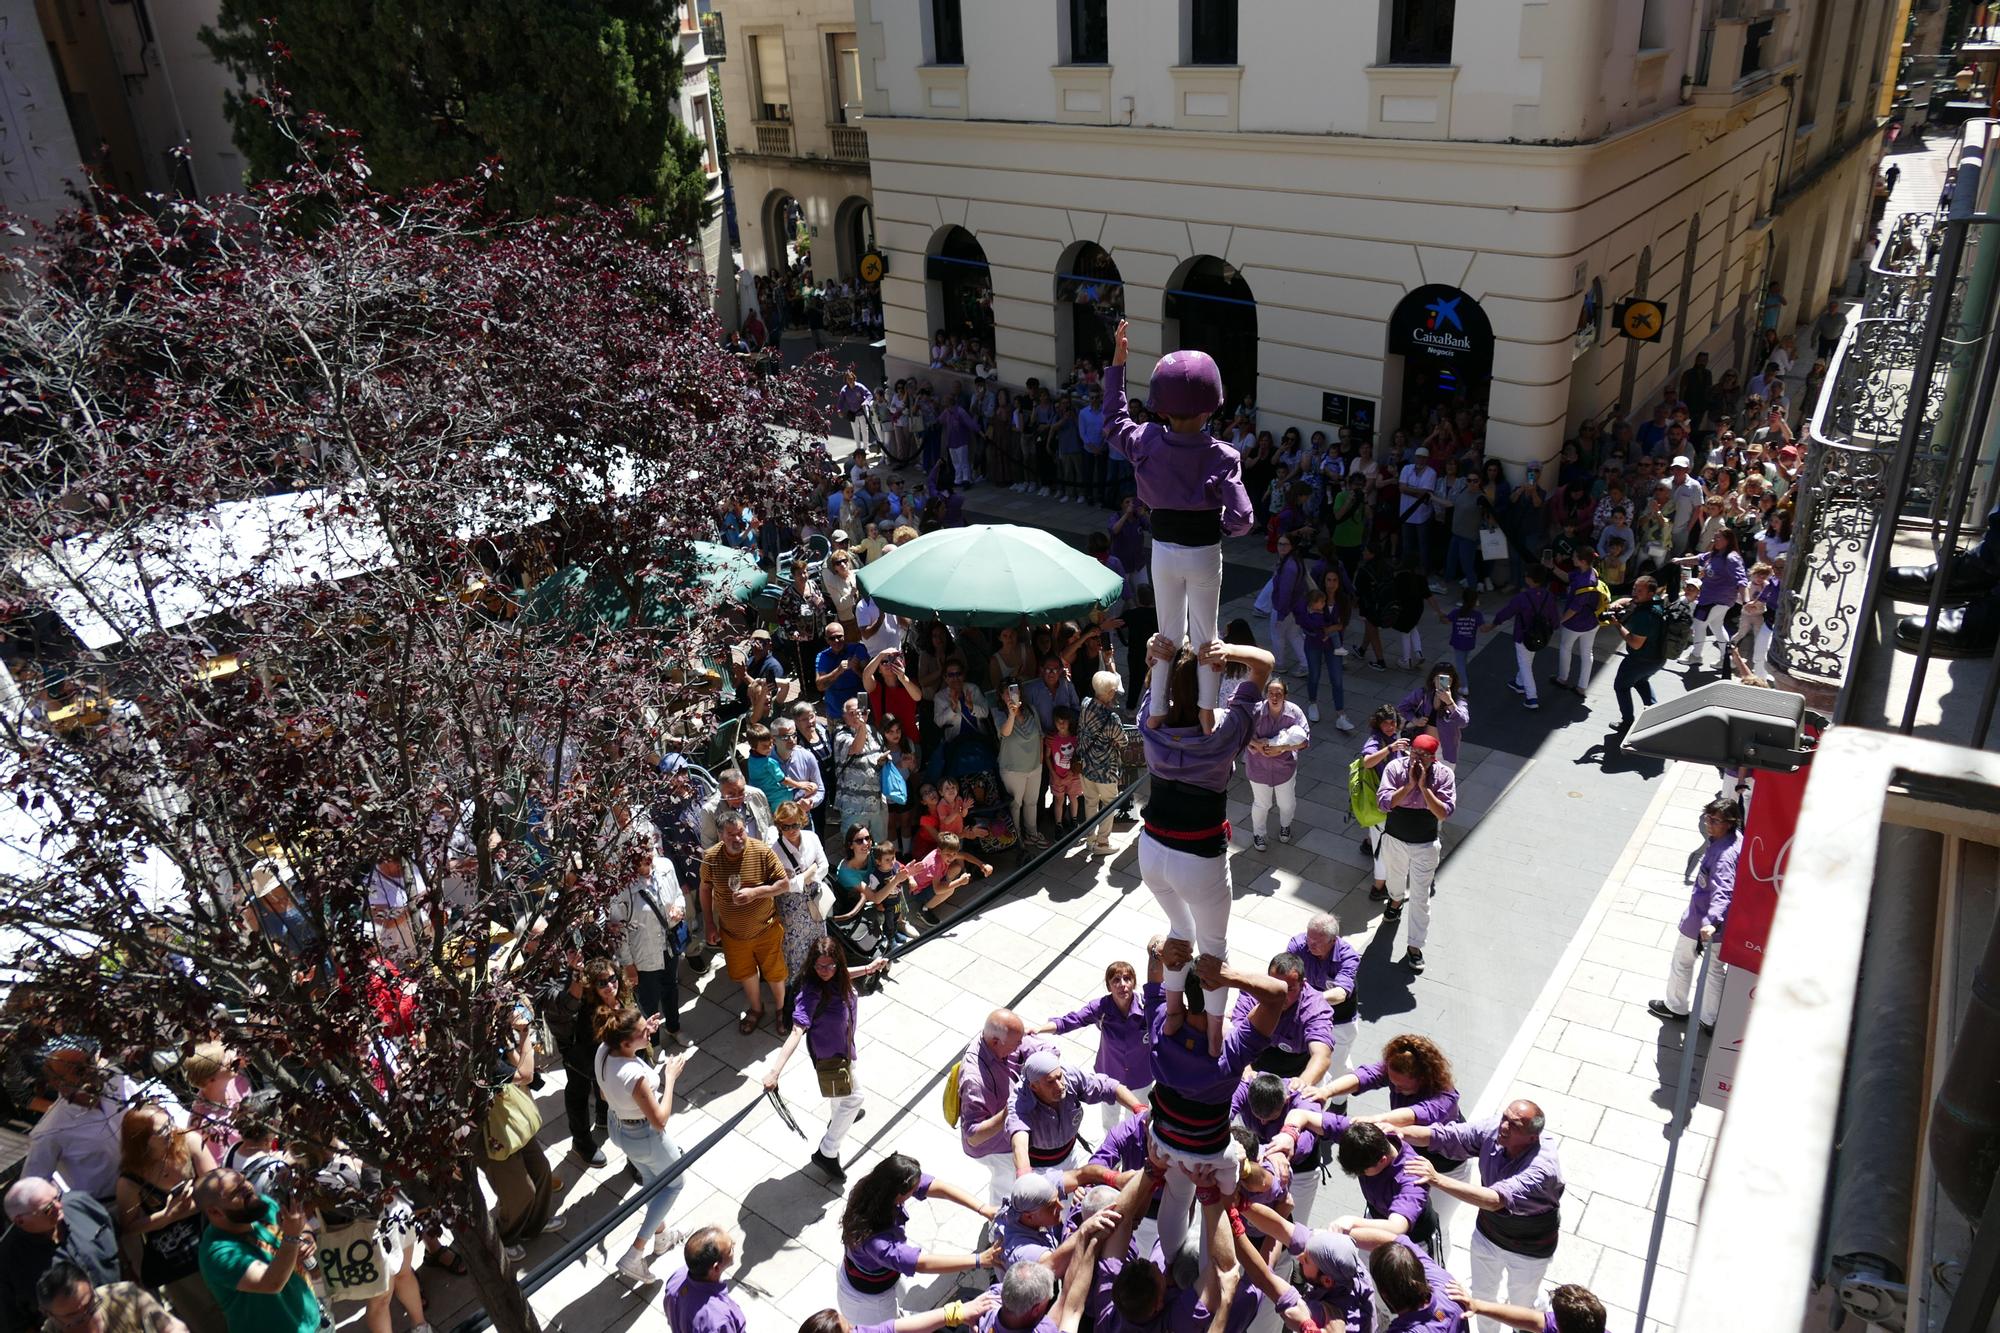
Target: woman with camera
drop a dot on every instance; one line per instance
(573, 1012)
(641, 1098)
(1438, 708)
(158, 1223)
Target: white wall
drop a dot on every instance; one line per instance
(38, 154)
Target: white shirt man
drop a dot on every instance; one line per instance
(887, 628)
(78, 1134)
(1687, 498)
(1418, 475)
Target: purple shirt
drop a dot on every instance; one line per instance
(1395, 1191)
(1339, 968)
(829, 1031)
(1420, 704)
(1186, 755)
(1021, 1243)
(1527, 606)
(1465, 629)
(701, 1307)
(1528, 1184)
(1054, 1125)
(1436, 1108)
(1121, 1038)
(1308, 1019)
(1123, 1147)
(1397, 771)
(1286, 727)
(1288, 585)
(1714, 886)
(1182, 1062)
(1177, 471)
(1442, 1315)
(990, 1322)
(853, 397)
(1129, 542)
(891, 1251)
(1722, 577)
(1582, 600)
(985, 1084)
(1352, 1300)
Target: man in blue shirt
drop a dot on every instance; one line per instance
(837, 669)
(1090, 430)
(1049, 691)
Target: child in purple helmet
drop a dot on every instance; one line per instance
(1193, 483)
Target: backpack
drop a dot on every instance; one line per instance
(1676, 629)
(1603, 597)
(1363, 783)
(951, 1093)
(1541, 627)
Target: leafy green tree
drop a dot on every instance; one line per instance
(576, 99)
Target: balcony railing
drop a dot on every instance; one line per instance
(850, 144)
(712, 39)
(774, 138)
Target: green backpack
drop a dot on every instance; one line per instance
(1362, 784)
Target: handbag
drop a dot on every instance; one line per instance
(512, 1122)
(676, 931)
(354, 1259)
(836, 1076)
(1492, 544)
(895, 787)
(1263, 603)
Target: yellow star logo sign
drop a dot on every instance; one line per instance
(1642, 319)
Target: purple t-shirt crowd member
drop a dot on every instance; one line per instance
(1193, 484)
(1191, 1088)
(1121, 1038)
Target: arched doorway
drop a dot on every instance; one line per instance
(1445, 345)
(854, 230)
(1090, 300)
(958, 285)
(784, 234)
(1210, 308)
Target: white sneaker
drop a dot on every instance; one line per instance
(1312, 712)
(552, 1227)
(516, 1253)
(636, 1268)
(669, 1240)
(1041, 490)
(1342, 723)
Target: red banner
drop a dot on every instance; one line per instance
(1760, 867)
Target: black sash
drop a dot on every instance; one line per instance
(1188, 527)
(867, 1281)
(1412, 823)
(1285, 1064)
(1345, 1011)
(1533, 1235)
(1198, 1128)
(1050, 1156)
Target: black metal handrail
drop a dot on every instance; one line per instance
(590, 1237)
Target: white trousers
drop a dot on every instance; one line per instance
(1285, 793)
(1491, 1264)
(1412, 867)
(1570, 641)
(1524, 670)
(1193, 891)
(1448, 1208)
(1177, 1196)
(1680, 980)
(1753, 630)
(1375, 850)
(961, 463)
(1709, 625)
(1110, 1113)
(1024, 795)
(1000, 1176)
(1412, 647)
(1288, 642)
(1343, 1043)
(1187, 588)
(863, 1308)
(1305, 1189)
(841, 1113)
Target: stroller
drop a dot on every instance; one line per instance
(865, 933)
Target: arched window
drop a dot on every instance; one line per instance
(958, 286)
(1209, 308)
(1090, 300)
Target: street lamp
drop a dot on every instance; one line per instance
(1729, 726)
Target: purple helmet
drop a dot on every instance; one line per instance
(1186, 384)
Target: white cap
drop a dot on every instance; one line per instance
(1680, 460)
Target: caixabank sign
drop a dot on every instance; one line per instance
(1443, 325)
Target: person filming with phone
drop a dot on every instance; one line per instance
(1438, 707)
(1418, 792)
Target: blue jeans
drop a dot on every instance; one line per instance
(1463, 554)
(1417, 545)
(1321, 657)
(1458, 659)
(651, 1153)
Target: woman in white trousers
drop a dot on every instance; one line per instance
(1183, 850)
(1279, 732)
(1382, 745)
(1021, 763)
(868, 1284)
(826, 1017)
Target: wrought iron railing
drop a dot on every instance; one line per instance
(1899, 274)
(713, 39)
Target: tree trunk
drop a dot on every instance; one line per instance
(479, 1244)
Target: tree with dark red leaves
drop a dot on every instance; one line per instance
(287, 467)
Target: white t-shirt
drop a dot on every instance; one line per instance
(617, 1076)
(1411, 509)
(887, 635)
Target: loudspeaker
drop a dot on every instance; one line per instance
(1726, 724)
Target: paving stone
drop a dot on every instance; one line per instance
(1593, 1046)
(1549, 1070)
(1612, 1174)
(1628, 1228)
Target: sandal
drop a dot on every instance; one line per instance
(449, 1260)
(747, 1024)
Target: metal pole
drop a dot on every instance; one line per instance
(1676, 1126)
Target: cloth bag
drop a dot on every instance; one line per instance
(512, 1122)
(1492, 544)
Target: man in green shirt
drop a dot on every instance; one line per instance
(1640, 624)
(251, 1256)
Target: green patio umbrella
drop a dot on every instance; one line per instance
(725, 573)
(990, 574)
